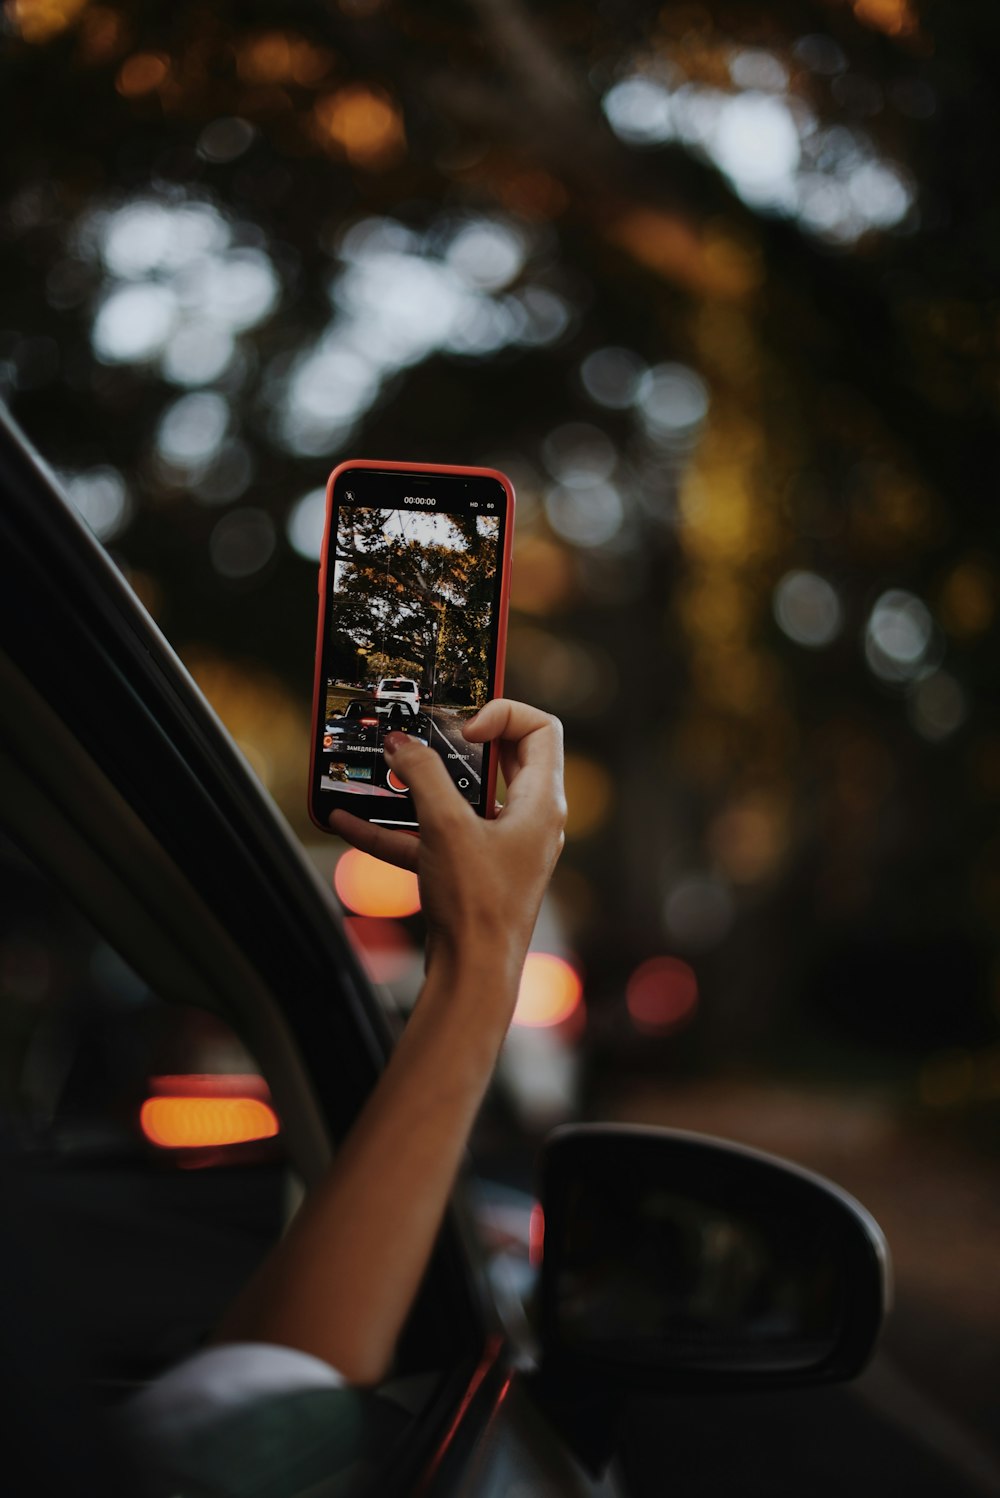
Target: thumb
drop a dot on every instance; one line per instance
(435, 795)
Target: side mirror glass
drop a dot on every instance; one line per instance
(676, 1261)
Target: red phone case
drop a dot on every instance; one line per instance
(488, 473)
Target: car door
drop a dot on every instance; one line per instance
(123, 792)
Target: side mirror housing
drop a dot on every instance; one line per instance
(677, 1262)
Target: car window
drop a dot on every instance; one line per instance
(151, 1145)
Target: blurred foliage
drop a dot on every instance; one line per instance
(716, 283)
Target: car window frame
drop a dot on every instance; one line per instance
(76, 634)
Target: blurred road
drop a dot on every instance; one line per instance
(924, 1419)
(447, 736)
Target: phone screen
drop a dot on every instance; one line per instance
(413, 580)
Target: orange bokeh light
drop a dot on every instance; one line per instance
(364, 123)
(550, 991)
(370, 887)
(661, 994)
(142, 73)
(206, 1122)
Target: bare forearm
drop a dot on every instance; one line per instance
(342, 1281)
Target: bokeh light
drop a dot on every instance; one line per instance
(589, 795)
(699, 912)
(370, 887)
(242, 543)
(673, 401)
(938, 706)
(191, 431)
(898, 636)
(364, 122)
(486, 254)
(386, 950)
(765, 138)
(306, 523)
(579, 454)
(969, 599)
(227, 475)
(611, 377)
(197, 354)
(638, 110)
(550, 991)
(808, 609)
(543, 579)
(206, 1122)
(226, 139)
(100, 496)
(566, 675)
(749, 836)
(133, 323)
(585, 516)
(661, 994)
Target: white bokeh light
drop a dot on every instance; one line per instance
(242, 542)
(100, 496)
(938, 706)
(590, 516)
(237, 290)
(767, 140)
(579, 454)
(134, 323)
(756, 143)
(611, 377)
(898, 636)
(638, 109)
(305, 525)
(807, 609)
(673, 400)
(149, 236)
(192, 430)
(486, 254)
(753, 67)
(197, 353)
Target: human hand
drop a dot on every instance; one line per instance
(481, 882)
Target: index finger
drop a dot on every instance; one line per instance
(530, 749)
(517, 723)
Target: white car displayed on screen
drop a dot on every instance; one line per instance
(398, 689)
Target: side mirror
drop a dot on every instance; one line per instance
(677, 1262)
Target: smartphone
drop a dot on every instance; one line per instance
(414, 580)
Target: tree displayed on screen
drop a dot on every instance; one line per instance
(404, 599)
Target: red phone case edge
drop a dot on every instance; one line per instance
(502, 611)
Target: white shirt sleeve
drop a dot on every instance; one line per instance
(223, 1379)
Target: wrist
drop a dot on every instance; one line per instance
(487, 969)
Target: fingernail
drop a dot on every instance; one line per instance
(392, 742)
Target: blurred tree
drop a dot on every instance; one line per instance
(716, 282)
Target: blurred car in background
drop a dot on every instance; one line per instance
(398, 689)
(359, 724)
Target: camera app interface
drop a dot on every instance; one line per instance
(409, 633)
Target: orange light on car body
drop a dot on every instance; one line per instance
(370, 887)
(202, 1122)
(200, 1110)
(550, 991)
